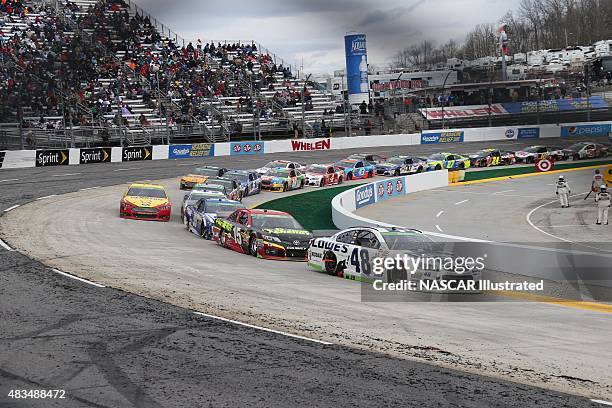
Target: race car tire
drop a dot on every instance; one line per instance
(285, 187)
(420, 170)
(438, 167)
(397, 173)
(222, 239)
(349, 176)
(530, 160)
(462, 165)
(340, 180)
(322, 183)
(331, 263)
(302, 184)
(370, 174)
(185, 222)
(202, 230)
(253, 246)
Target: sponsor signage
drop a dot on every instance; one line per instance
(46, 158)
(442, 137)
(510, 134)
(556, 105)
(138, 153)
(357, 67)
(608, 175)
(365, 196)
(544, 165)
(186, 151)
(529, 133)
(472, 111)
(390, 188)
(246, 148)
(586, 130)
(2, 154)
(401, 84)
(324, 144)
(95, 155)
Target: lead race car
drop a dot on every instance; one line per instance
(399, 165)
(263, 234)
(145, 202)
(353, 253)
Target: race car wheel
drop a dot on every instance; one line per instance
(185, 222)
(302, 184)
(349, 176)
(397, 173)
(370, 174)
(203, 230)
(462, 165)
(438, 167)
(331, 263)
(322, 183)
(340, 180)
(530, 160)
(420, 170)
(285, 187)
(253, 246)
(222, 239)
(574, 157)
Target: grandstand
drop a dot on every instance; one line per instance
(91, 72)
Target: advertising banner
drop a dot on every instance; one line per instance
(357, 68)
(442, 137)
(46, 158)
(471, 111)
(137, 153)
(2, 154)
(246, 148)
(556, 105)
(528, 133)
(586, 130)
(188, 151)
(390, 188)
(95, 155)
(365, 196)
(324, 144)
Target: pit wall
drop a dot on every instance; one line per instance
(63, 157)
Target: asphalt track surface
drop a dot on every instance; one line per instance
(110, 348)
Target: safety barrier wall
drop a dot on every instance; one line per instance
(570, 268)
(43, 158)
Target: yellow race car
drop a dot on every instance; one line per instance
(200, 175)
(145, 202)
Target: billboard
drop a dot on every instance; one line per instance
(187, 151)
(246, 148)
(455, 136)
(137, 153)
(455, 112)
(586, 130)
(365, 196)
(390, 188)
(45, 158)
(95, 155)
(357, 68)
(529, 133)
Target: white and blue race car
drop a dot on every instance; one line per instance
(250, 181)
(398, 165)
(200, 217)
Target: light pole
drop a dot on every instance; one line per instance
(443, 87)
(304, 106)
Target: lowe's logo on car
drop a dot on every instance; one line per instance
(442, 137)
(242, 148)
(529, 133)
(364, 196)
(186, 151)
(586, 130)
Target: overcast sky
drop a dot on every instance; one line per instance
(313, 30)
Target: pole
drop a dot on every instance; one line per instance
(588, 92)
(304, 106)
(443, 87)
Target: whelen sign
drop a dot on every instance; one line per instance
(471, 111)
(324, 144)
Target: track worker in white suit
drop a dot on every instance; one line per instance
(603, 205)
(563, 191)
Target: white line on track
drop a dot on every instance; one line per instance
(97, 285)
(5, 246)
(12, 208)
(128, 169)
(440, 214)
(602, 402)
(2, 181)
(66, 175)
(438, 228)
(502, 192)
(89, 188)
(295, 336)
(563, 226)
(462, 202)
(49, 196)
(187, 164)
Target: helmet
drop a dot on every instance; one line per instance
(603, 188)
(561, 178)
(597, 171)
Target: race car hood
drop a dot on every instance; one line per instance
(521, 153)
(289, 235)
(314, 175)
(273, 179)
(146, 202)
(262, 170)
(387, 165)
(211, 217)
(194, 178)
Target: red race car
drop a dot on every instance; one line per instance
(323, 175)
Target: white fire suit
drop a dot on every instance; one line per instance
(603, 206)
(563, 191)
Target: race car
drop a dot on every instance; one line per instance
(200, 175)
(211, 188)
(323, 175)
(200, 216)
(368, 157)
(283, 180)
(250, 181)
(282, 164)
(451, 161)
(352, 252)
(195, 195)
(532, 153)
(586, 150)
(398, 165)
(232, 188)
(356, 169)
(491, 157)
(145, 202)
(263, 234)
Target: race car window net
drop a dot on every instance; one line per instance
(275, 221)
(207, 172)
(408, 241)
(222, 207)
(316, 169)
(345, 163)
(279, 173)
(224, 183)
(436, 157)
(146, 192)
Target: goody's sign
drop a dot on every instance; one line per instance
(365, 196)
(356, 64)
(442, 137)
(390, 188)
(586, 130)
(528, 133)
(246, 148)
(187, 151)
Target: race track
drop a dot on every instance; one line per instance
(159, 351)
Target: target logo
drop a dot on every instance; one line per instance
(399, 186)
(545, 165)
(381, 190)
(247, 148)
(237, 148)
(390, 188)
(257, 147)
